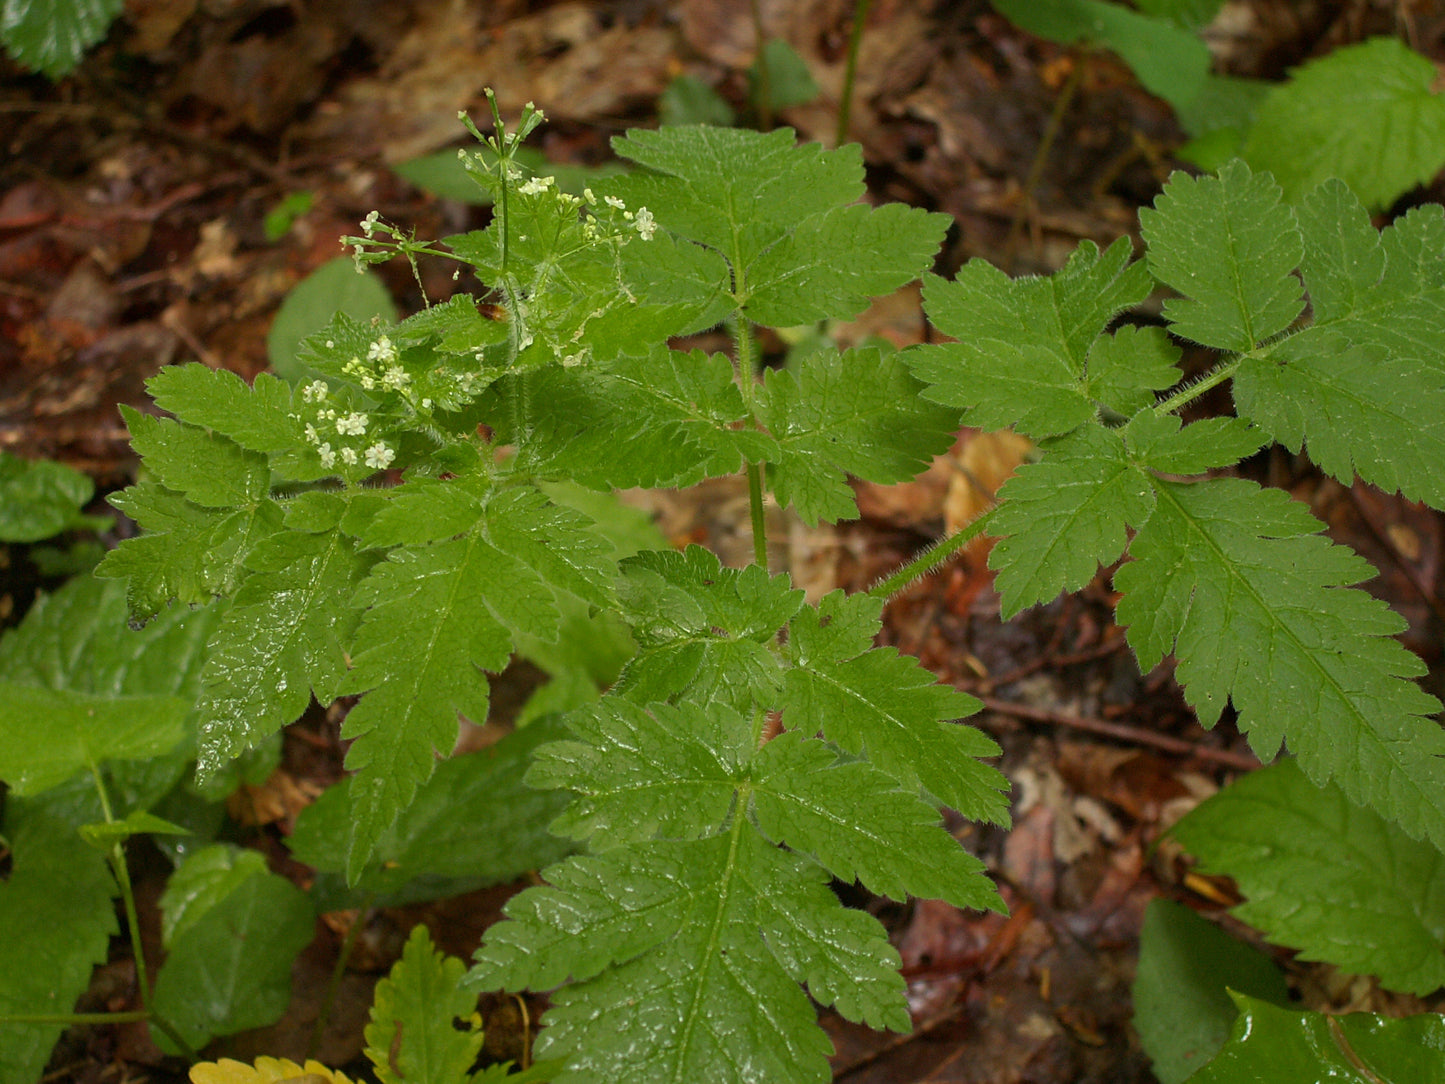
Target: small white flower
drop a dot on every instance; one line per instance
(315, 391)
(381, 350)
(328, 457)
(396, 378)
(426, 404)
(331, 344)
(613, 201)
(646, 224)
(379, 456)
(589, 195)
(536, 186)
(348, 456)
(354, 424)
(311, 434)
(367, 381)
(369, 223)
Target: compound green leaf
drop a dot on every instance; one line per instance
(809, 800)
(1063, 517)
(411, 1035)
(686, 957)
(433, 626)
(702, 629)
(832, 264)
(1163, 443)
(473, 823)
(1287, 1045)
(1325, 876)
(58, 917)
(1370, 114)
(1230, 247)
(685, 421)
(1024, 343)
(1129, 365)
(669, 419)
(1364, 386)
(284, 637)
(856, 413)
(1187, 966)
(39, 498)
(212, 471)
(189, 554)
(257, 417)
(778, 214)
(640, 774)
(233, 930)
(875, 701)
(51, 36)
(1237, 583)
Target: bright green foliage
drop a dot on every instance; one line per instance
(1233, 580)
(78, 691)
(1025, 344)
(40, 498)
(1187, 966)
(51, 36)
(1322, 875)
(686, 811)
(1169, 60)
(411, 1035)
(1237, 287)
(1369, 114)
(1283, 1045)
(58, 917)
(473, 823)
(309, 306)
(231, 930)
(409, 593)
(853, 413)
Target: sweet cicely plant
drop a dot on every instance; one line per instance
(398, 524)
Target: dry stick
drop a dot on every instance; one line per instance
(1123, 732)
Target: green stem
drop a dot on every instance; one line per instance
(760, 523)
(121, 872)
(930, 559)
(72, 1018)
(747, 376)
(850, 73)
(333, 986)
(1193, 390)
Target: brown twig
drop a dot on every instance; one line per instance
(1123, 732)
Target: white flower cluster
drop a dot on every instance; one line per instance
(350, 424)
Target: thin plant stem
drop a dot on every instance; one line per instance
(338, 972)
(1195, 388)
(930, 559)
(759, 518)
(850, 72)
(1041, 157)
(70, 1019)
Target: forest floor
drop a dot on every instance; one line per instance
(133, 202)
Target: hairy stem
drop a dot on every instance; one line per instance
(930, 559)
(1195, 388)
(747, 376)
